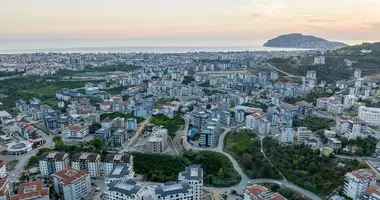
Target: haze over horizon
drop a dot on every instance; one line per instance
(186, 22)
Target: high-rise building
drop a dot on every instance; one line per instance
(113, 159)
(173, 191)
(87, 161)
(303, 133)
(51, 162)
(193, 175)
(239, 116)
(370, 116)
(131, 124)
(72, 184)
(287, 135)
(199, 119)
(357, 73)
(357, 182)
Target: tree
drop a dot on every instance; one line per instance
(57, 138)
(59, 145)
(97, 143)
(208, 106)
(32, 161)
(94, 127)
(221, 173)
(247, 161)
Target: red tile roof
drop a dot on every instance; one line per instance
(373, 190)
(364, 175)
(70, 175)
(262, 193)
(31, 189)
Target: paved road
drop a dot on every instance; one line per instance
(23, 159)
(244, 179)
(286, 73)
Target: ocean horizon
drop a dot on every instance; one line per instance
(132, 45)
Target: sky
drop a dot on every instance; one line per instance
(189, 20)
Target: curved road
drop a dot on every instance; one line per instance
(244, 179)
(286, 73)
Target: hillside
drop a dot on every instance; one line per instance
(375, 47)
(297, 40)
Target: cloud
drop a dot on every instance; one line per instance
(311, 26)
(326, 19)
(260, 8)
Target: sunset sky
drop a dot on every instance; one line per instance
(342, 20)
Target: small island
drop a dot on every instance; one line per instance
(297, 40)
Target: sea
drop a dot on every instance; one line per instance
(129, 46)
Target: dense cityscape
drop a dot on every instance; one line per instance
(207, 125)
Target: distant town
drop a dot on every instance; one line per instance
(206, 125)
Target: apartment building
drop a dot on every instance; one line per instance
(263, 126)
(113, 159)
(357, 182)
(303, 133)
(258, 192)
(209, 136)
(51, 162)
(199, 119)
(32, 190)
(72, 184)
(87, 161)
(124, 190)
(286, 135)
(77, 131)
(372, 193)
(371, 116)
(252, 121)
(120, 172)
(3, 169)
(193, 175)
(158, 140)
(173, 191)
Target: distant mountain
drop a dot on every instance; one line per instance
(297, 40)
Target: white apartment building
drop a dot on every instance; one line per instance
(334, 107)
(77, 131)
(3, 169)
(370, 116)
(286, 135)
(124, 190)
(357, 73)
(264, 126)
(354, 129)
(319, 60)
(372, 193)
(120, 172)
(193, 175)
(251, 121)
(303, 133)
(113, 159)
(322, 102)
(349, 101)
(87, 161)
(173, 191)
(51, 162)
(72, 184)
(357, 182)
